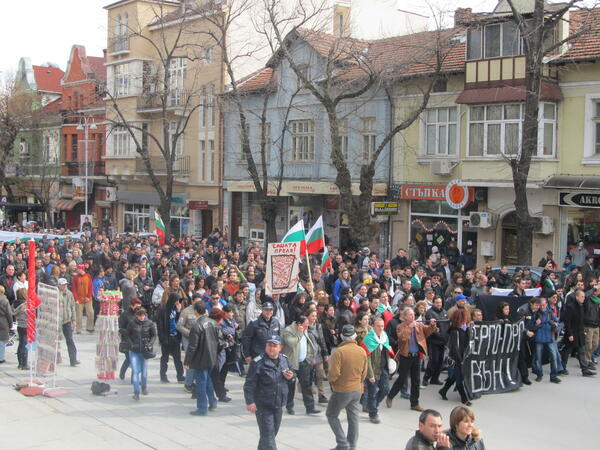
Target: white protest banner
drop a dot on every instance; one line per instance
(282, 267)
(48, 330)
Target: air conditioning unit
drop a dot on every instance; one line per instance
(543, 225)
(480, 219)
(441, 166)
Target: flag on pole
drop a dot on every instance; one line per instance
(370, 343)
(33, 301)
(315, 238)
(160, 228)
(296, 234)
(325, 261)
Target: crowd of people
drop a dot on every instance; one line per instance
(355, 325)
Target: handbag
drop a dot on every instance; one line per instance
(392, 364)
(148, 352)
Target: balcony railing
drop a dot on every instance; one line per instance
(77, 169)
(37, 170)
(177, 99)
(181, 165)
(118, 44)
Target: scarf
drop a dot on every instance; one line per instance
(596, 300)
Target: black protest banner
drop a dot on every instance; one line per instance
(489, 305)
(491, 367)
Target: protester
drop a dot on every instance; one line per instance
(458, 343)
(141, 335)
(430, 434)
(67, 318)
(463, 434)
(169, 336)
(6, 321)
(83, 291)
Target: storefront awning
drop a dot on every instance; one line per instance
(66, 204)
(506, 94)
(572, 182)
(20, 207)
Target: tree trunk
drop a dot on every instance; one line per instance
(269, 213)
(165, 213)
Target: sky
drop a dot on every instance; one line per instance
(46, 30)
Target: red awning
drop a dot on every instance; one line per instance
(506, 94)
(66, 204)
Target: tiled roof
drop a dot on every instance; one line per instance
(48, 79)
(586, 46)
(256, 81)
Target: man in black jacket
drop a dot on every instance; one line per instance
(203, 348)
(574, 333)
(266, 390)
(259, 331)
(436, 342)
(8, 280)
(430, 435)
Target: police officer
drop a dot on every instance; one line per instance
(266, 390)
(259, 331)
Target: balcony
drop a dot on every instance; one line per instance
(77, 169)
(177, 100)
(37, 170)
(181, 165)
(118, 44)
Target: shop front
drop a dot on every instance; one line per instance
(433, 222)
(580, 223)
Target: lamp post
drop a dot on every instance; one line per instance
(86, 123)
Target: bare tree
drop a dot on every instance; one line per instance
(173, 99)
(537, 29)
(358, 70)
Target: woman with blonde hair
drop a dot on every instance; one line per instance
(463, 434)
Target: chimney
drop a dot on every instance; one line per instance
(463, 16)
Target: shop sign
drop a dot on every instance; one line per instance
(198, 204)
(581, 199)
(384, 208)
(457, 195)
(416, 192)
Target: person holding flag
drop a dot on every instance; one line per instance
(378, 348)
(159, 228)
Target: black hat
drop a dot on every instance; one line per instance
(348, 331)
(267, 305)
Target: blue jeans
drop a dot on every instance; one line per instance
(2, 350)
(596, 353)
(205, 393)
(139, 369)
(554, 347)
(189, 373)
(537, 367)
(377, 391)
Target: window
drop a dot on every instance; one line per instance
(202, 160)
(207, 160)
(305, 72)
(122, 80)
(211, 160)
(74, 148)
(179, 145)
(136, 218)
(303, 140)
(343, 126)
(121, 141)
(368, 138)
(440, 131)
(494, 41)
(211, 106)
(208, 56)
(203, 107)
(596, 121)
(268, 141)
(177, 69)
(496, 129)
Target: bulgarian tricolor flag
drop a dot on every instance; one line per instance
(370, 343)
(386, 313)
(315, 239)
(160, 228)
(325, 261)
(296, 234)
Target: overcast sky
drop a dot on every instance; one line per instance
(46, 30)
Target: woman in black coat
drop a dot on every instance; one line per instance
(140, 336)
(169, 337)
(458, 343)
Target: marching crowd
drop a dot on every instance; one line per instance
(354, 325)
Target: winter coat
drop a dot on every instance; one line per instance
(186, 320)
(544, 330)
(470, 443)
(347, 368)
(257, 333)
(20, 313)
(291, 345)
(239, 313)
(441, 336)
(204, 345)
(125, 319)
(403, 333)
(67, 306)
(458, 343)
(265, 385)
(129, 292)
(591, 313)
(574, 326)
(83, 288)
(140, 335)
(162, 323)
(418, 442)
(6, 318)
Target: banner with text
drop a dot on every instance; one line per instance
(48, 330)
(282, 267)
(491, 366)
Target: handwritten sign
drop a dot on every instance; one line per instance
(282, 267)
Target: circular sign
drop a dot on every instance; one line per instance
(457, 195)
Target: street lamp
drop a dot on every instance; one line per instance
(86, 123)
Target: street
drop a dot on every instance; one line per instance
(543, 415)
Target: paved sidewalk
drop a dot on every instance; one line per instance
(543, 415)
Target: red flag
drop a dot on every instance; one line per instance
(33, 301)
